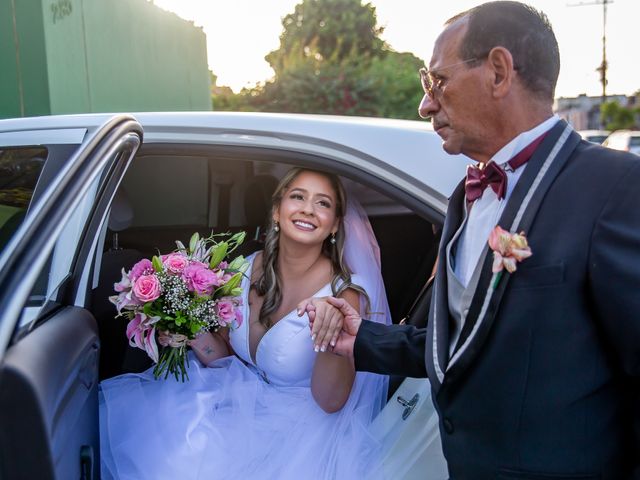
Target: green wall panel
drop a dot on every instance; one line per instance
(66, 64)
(10, 104)
(140, 57)
(75, 56)
(23, 53)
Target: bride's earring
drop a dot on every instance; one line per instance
(276, 227)
(332, 240)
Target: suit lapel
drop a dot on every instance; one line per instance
(437, 351)
(519, 214)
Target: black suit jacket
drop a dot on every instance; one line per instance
(544, 379)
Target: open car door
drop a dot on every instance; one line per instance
(55, 189)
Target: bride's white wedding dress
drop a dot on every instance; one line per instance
(240, 418)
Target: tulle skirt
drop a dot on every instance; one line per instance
(225, 422)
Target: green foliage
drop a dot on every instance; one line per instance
(320, 31)
(332, 60)
(397, 84)
(618, 117)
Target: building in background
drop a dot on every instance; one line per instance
(74, 56)
(583, 112)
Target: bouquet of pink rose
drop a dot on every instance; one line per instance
(172, 298)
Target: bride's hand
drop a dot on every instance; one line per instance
(331, 320)
(325, 322)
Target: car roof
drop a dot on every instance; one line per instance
(410, 146)
(593, 132)
(628, 133)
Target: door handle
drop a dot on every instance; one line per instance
(408, 405)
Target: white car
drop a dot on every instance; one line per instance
(627, 140)
(83, 196)
(595, 136)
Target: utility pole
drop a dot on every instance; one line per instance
(603, 65)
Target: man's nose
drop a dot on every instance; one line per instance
(428, 106)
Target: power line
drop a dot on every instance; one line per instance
(603, 65)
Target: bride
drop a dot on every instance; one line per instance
(261, 402)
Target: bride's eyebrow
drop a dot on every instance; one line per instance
(306, 192)
(327, 196)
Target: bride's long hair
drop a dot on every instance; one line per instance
(268, 284)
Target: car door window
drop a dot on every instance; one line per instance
(20, 169)
(57, 269)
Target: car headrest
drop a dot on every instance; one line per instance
(257, 198)
(121, 216)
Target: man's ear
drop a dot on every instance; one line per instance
(501, 63)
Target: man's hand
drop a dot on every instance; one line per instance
(333, 321)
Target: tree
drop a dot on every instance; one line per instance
(320, 31)
(617, 117)
(398, 85)
(332, 60)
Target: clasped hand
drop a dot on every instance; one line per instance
(333, 322)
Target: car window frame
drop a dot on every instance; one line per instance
(28, 250)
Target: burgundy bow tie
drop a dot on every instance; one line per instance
(493, 175)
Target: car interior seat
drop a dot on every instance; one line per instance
(114, 344)
(257, 206)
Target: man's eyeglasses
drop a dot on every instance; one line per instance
(432, 83)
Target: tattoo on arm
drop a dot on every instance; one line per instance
(208, 350)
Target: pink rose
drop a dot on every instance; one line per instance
(143, 267)
(200, 279)
(226, 312)
(147, 288)
(175, 262)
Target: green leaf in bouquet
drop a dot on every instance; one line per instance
(238, 264)
(218, 253)
(147, 309)
(157, 264)
(195, 328)
(236, 240)
(153, 309)
(236, 292)
(193, 243)
(230, 285)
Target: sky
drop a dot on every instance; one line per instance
(241, 32)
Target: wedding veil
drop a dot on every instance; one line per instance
(362, 256)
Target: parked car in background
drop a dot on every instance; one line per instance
(627, 140)
(595, 136)
(83, 196)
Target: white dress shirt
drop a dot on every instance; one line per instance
(487, 209)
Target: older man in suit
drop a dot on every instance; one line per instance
(534, 369)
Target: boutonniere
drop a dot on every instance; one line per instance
(508, 249)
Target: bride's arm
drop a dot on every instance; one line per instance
(209, 346)
(333, 375)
